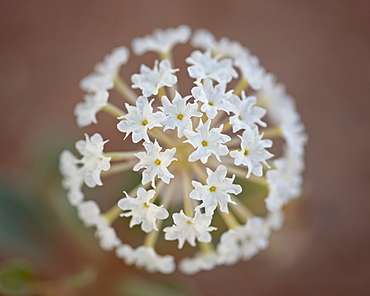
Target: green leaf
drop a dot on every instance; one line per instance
(16, 277)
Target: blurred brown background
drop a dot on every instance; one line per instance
(319, 49)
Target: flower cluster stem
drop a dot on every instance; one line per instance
(242, 85)
(206, 247)
(272, 132)
(125, 90)
(113, 110)
(229, 219)
(118, 168)
(112, 214)
(117, 156)
(157, 134)
(241, 211)
(188, 207)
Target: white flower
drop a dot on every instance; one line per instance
(155, 163)
(72, 180)
(89, 214)
(284, 184)
(189, 147)
(207, 142)
(86, 111)
(253, 153)
(188, 229)
(146, 257)
(93, 160)
(203, 39)
(251, 69)
(293, 132)
(140, 119)
(108, 238)
(113, 61)
(245, 112)
(96, 83)
(161, 40)
(275, 220)
(142, 210)
(201, 261)
(254, 237)
(274, 98)
(203, 66)
(213, 98)
(149, 81)
(179, 113)
(216, 190)
(228, 250)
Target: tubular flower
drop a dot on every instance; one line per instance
(195, 152)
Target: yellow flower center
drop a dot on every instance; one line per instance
(157, 162)
(180, 117)
(204, 143)
(212, 188)
(145, 122)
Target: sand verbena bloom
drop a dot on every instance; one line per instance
(197, 150)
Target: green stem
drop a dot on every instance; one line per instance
(206, 247)
(124, 89)
(229, 219)
(272, 132)
(242, 85)
(113, 110)
(118, 168)
(241, 211)
(117, 156)
(112, 214)
(188, 207)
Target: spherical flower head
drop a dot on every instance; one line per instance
(196, 154)
(214, 98)
(142, 210)
(207, 142)
(155, 163)
(188, 229)
(252, 153)
(179, 113)
(150, 81)
(216, 191)
(93, 160)
(204, 66)
(161, 41)
(140, 119)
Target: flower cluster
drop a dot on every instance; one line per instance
(197, 151)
